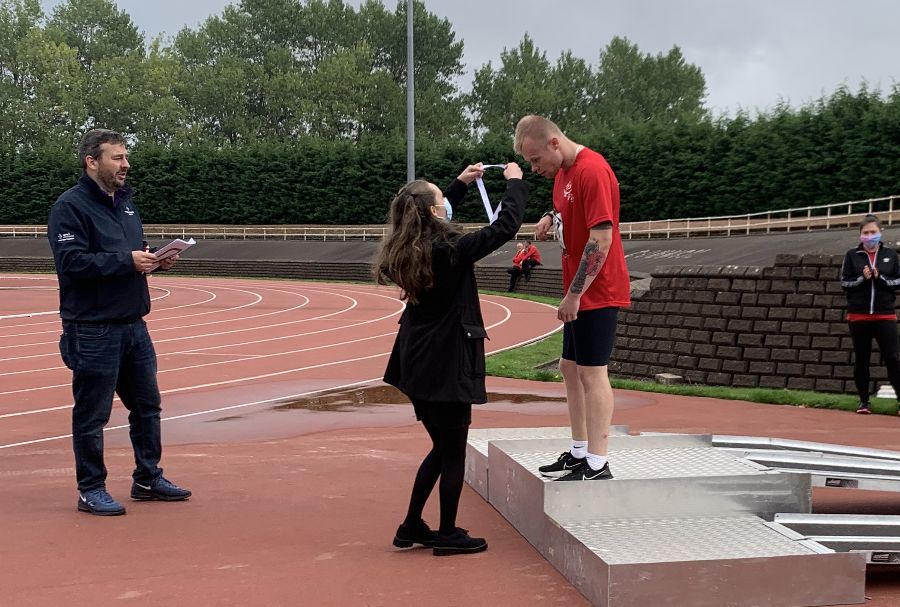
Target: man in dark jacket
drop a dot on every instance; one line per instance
(101, 260)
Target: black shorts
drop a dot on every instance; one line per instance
(589, 339)
(442, 415)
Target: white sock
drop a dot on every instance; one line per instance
(596, 462)
(579, 448)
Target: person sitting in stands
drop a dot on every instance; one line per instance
(516, 270)
(532, 259)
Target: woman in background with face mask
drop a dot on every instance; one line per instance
(869, 275)
(438, 356)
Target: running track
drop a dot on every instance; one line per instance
(225, 347)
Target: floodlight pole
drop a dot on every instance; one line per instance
(410, 98)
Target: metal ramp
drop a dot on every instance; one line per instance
(682, 524)
(828, 465)
(875, 536)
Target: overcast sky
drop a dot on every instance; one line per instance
(753, 54)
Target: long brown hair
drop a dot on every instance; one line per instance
(405, 254)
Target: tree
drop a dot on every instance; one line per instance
(631, 85)
(138, 96)
(626, 86)
(282, 69)
(52, 86)
(96, 29)
(521, 85)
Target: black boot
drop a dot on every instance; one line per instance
(415, 533)
(458, 542)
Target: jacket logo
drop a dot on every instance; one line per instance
(128, 211)
(886, 259)
(65, 237)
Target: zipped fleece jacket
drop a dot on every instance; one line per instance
(873, 296)
(92, 236)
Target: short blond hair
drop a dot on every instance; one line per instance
(536, 128)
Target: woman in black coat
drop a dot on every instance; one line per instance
(870, 275)
(438, 356)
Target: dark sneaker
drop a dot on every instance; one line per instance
(99, 502)
(458, 542)
(417, 533)
(563, 465)
(159, 489)
(863, 409)
(586, 473)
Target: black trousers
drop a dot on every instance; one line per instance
(527, 266)
(514, 274)
(448, 426)
(884, 332)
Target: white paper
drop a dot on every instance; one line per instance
(176, 247)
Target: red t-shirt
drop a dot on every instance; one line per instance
(585, 195)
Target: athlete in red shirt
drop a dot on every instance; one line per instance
(595, 278)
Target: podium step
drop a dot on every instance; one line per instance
(681, 524)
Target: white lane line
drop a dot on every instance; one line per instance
(203, 335)
(54, 312)
(56, 324)
(152, 320)
(506, 317)
(236, 380)
(527, 341)
(195, 414)
(230, 345)
(339, 328)
(224, 362)
(286, 397)
(28, 315)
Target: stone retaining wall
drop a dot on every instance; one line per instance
(773, 327)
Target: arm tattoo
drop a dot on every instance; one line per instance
(591, 262)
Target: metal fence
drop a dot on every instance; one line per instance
(800, 219)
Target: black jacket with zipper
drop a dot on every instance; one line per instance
(92, 236)
(874, 295)
(439, 351)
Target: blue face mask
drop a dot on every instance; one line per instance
(870, 242)
(449, 208)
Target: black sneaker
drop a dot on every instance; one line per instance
(586, 473)
(458, 542)
(863, 409)
(159, 489)
(563, 465)
(417, 533)
(99, 502)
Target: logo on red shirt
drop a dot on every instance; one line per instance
(567, 193)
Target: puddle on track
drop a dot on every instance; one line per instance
(350, 400)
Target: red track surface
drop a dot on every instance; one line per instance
(224, 346)
(297, 506)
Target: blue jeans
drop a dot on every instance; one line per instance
(107, 358)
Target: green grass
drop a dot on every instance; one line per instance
(521, 363)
